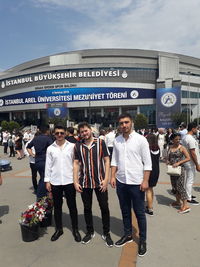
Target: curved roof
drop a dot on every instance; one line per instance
(98, 58)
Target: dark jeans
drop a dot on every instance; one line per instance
(5, 147)
(12, 151)
(34, 176)
(132, 195)
(41, 189)
(102, 198)
(70, 194)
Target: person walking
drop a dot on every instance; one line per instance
(154, 175)
(193, 165)
(59, 179)
(32, 165)
(5, 136)
(40, 143)
(11, 146)
(177, 156)
(130, 168)
(92, 158)
(109, 139)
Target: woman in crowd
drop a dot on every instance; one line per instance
(18, 146)
(153, 179)
(177, 156)
(161, 142)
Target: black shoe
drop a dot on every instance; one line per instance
(108, 240)
(193, 196)
(0, 221)
(56, 235)
(149, 211)
(87, 238)
(77, 236)
(125, 239)
(193, 202)
(142, 248)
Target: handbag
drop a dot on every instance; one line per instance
(173, 171)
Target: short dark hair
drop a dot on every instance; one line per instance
(44, 128)
(191, 125)
(125, 115)
(183, 125)
(84, 124)
(174, 135)
(60, 127)
(70, 130)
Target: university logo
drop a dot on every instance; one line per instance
(57, 112)
(134, 94)
(168, 100)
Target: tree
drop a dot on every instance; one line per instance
(178, 118)
(13, 125)
(4, 126)
(140, 121)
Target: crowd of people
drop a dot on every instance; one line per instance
(69, 162)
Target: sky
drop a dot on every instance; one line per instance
(35, 28)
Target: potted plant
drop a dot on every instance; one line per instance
(47, 203)
(29, 221)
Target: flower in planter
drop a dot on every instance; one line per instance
(47, 203)
(33, 215)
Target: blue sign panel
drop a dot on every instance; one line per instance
(57, 112)
(168, 102)
(76, 94)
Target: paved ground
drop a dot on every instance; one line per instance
(173, 239)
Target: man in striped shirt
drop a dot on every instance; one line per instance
(92, 158)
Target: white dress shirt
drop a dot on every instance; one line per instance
(59, 164)
(131, 157)
(110, 137)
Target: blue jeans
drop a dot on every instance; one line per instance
(131, 195)
(41, 189)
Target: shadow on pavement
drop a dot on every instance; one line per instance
(4, 210)
(116, 225)
(196, 188)
(163, 200)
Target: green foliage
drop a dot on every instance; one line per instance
(140, 121)
(4, 126)
(9, 126)
(178, 118)
(13, 125)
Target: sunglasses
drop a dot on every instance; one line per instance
(59, 133)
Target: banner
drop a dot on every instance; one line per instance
(168, 102)
(76, 95)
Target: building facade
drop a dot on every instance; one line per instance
(99, 84)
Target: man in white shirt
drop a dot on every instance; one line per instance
(6, 135)
(131, 166)
(109, 139)
(183, 131)
(59, 179)
(191, 166)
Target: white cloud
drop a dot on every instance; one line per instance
(165, 25)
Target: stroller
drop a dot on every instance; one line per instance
(5, 165)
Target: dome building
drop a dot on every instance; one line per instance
(99, 84)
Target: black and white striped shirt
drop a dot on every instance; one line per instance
(92, 170)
